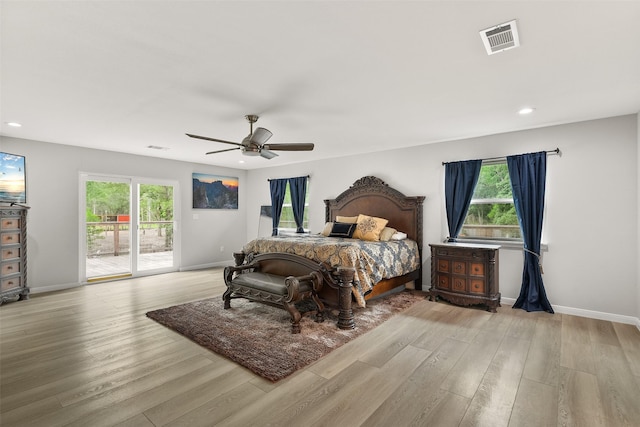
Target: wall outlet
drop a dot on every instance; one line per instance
(221, 248)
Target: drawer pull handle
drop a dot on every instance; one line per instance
(9, 267)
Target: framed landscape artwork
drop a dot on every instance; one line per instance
(214, 191)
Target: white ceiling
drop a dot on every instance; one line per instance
(352, 77)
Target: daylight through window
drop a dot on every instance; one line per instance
(492, 214)
(287, 221)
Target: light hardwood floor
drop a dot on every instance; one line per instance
(90, 357)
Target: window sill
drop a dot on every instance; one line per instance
(506, 244)
(292, 232)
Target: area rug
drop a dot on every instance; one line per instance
(258, 336)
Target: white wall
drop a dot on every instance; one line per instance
(638, 217)
(53, 193)
(591, 223)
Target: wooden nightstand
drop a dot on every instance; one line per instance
(465, 274)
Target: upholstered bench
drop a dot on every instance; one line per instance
(254, 281)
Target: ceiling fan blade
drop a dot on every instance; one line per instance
(222, 151)
(260, 136)
(306, 146)
(267, 154)
(212, 139)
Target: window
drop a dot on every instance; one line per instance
(287, 221)
(492, 214)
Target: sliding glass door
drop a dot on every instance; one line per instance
(128, 227)
(155, 227)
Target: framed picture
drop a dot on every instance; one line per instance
(13, 177)
(214, 191)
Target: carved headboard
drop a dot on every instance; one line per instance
(372, 196)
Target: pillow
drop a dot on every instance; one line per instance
(386, 233)
(327, 229)
(347, 219)
(341, 229)
(399, 236)
(369, 228)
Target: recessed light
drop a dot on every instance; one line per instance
(240, 161)
(526, 110)
(14, 124)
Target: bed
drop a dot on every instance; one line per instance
(403, 258)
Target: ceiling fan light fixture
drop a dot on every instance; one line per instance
(250, 151)
(255, 143)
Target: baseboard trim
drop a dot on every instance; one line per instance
(619, 318)
(54, 288)
(209, 265)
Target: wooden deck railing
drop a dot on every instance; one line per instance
(100, 230)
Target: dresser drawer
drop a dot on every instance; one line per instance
(12, 283)
(476, 269)
(444, 265)
(443, 282)
(477, 286)
(10, 238)
(10, 268)
(459, 267)
(10, 224)
(459, 284)
(9, 253)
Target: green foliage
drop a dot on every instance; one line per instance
(493, 183)
(107, 198)
(286, 217)
(94, 232)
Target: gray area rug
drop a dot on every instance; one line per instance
(258, 336)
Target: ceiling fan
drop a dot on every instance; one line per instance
(254, 144)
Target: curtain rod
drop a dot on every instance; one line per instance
(307, 176)
(556, 151)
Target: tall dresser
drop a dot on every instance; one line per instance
(13, 253)
(465, 274)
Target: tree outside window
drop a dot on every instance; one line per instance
(492, 214)
(287, 221)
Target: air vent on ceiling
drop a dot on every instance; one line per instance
(500, 37)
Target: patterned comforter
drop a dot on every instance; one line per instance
(373, 261)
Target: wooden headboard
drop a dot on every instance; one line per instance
(372, 196)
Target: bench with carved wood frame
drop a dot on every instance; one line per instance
(283, 280)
